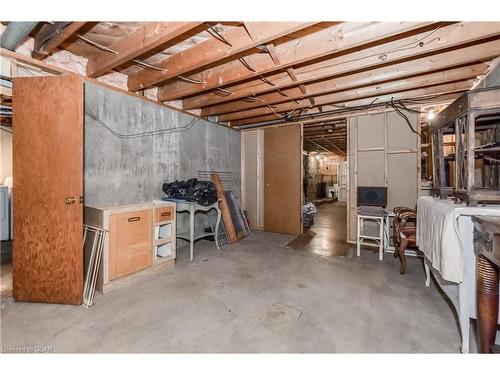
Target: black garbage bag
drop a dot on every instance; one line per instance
(192, 190)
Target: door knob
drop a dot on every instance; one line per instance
(69, 200)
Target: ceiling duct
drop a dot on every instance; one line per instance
(15, 33)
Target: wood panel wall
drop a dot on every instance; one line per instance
(382, 151)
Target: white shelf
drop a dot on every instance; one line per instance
(163, 250)
(163, 240)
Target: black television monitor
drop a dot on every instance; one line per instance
(372, 196)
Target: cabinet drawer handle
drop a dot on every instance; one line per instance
(166, 213)
(135, 218)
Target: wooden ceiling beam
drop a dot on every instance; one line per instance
(323, 140)
(335, 146)
(403, 84)
(329, 135)
(419, 66)
(321, 136)
(212, 51)
(318, 145)
(432, 91)
(51, 36)
(139, 42)
(442, 40)
(326, 127)
(313, 46)
(271, 49)
(291, 74)
(313, 119)
(250, 28)
(326, 133)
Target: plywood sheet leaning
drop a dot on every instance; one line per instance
(224, 208)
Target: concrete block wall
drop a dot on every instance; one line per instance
(121, 170)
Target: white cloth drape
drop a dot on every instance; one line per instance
(438, 236)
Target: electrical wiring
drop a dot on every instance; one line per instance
(344, 109)
(191, 80)
(141, 134)
(215, 33)
(245, 64)
(398, 111)
(148, 66)
(222, 92)
(403, 106)
(97, 45)
(419, 43)
(274, 112)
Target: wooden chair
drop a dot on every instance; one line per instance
(404, 233)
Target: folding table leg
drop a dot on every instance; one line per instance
(381, 240)
(358, 245)
(191, 232)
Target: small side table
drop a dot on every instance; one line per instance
(192, 208)
(487, 251)
(360, 237)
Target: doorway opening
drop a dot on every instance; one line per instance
(325, 189)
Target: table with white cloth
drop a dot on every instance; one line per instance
(445, 236)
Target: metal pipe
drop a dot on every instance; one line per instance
(15, 33)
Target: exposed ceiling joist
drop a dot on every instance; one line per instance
(212, 51)
(291, 74)
(334, 146)
(431, 91)
(250, 28)
(447, 37)
(51, 36)
(403, 84)
(318, 145)
(340, 137)
(141, 41)
(271, 49)
(312, 46)
(391, 72)
(324, 132)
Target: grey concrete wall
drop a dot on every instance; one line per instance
(123, 171)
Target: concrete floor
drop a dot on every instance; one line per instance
(5, 269)
(328, 235)
(254, 296)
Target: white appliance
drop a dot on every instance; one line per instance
(4, 213)
(8, 182)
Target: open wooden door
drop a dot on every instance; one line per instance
(283, 179)
(47, 191)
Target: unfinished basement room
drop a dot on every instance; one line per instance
(172, 185)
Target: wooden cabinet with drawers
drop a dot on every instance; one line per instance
(164, 213)
(139, 238)
(130, 242)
